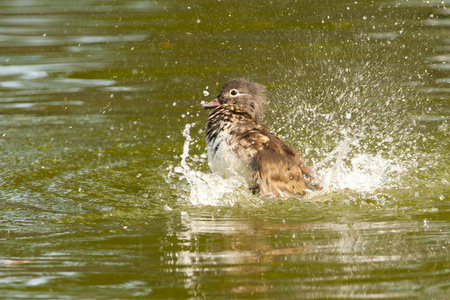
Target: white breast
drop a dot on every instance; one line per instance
(226, 161)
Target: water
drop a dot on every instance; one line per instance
(105, 188)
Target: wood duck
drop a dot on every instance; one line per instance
(237, 144)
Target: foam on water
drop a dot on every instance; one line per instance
(340, 171)
(362, 173)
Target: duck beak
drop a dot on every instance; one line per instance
(212, 104)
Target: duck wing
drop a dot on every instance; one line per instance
(277, 175)
(277, 168)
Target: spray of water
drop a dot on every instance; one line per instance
(207, 188)
(361, 172)
(355, 132)
(353, 126)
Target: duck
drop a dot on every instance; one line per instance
(239, 145)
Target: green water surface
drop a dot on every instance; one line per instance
(105, 188)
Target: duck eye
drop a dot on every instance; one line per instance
(234, 92)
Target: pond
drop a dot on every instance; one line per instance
(105, 187)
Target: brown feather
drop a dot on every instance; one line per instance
(277, 175)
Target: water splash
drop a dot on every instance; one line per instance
(208, 188)
(355, 130)
(360, 172)
(341, 170)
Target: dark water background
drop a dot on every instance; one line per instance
(105, 191)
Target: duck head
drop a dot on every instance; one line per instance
(249, 96)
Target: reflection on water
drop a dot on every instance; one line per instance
(105, 188)
(349, 261)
